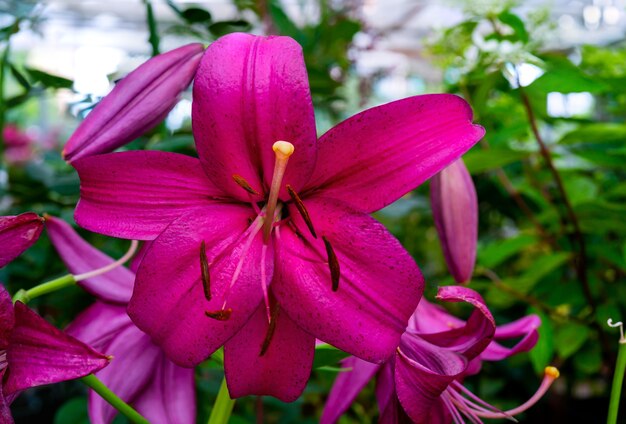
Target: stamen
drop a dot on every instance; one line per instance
(333, 264)
(254, 230)
(129, 254)
(270, 331)
(221, 315)
(204, 269)
(241, 181)
(550, 374)
(283, 150)
(264, 283)
(302, 209)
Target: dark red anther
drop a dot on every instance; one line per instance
(221, 315)
(204, 271)
(301, 208)
(333, 264)
(241, 181)
(270, 331)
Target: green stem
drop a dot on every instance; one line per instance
(153, 39)
(3, 64)
(618, 378)
(125, 409)
(26, 296)
(223, 406)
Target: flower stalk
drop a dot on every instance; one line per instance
(223, 406)
(26, 296)
(618, 376)
(125, 409)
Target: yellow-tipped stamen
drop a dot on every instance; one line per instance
(549, 375)
(283, 150)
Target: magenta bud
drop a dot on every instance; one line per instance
(137, 103)
(18, 233)
(455, 210)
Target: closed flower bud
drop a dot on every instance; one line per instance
(137, 103)
(455, 210)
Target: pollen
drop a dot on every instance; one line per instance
(552, 372)
(283, 148)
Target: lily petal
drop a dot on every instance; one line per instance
(18, 233)
(526, 328)
(169, 302)
(455, 210)
(137, 103)
(5, 411)
(285, 366)
(41, 354)
(249, 93)
(160, 404)
(99, 324)
(390, 410)
(347, 387)
(79, 256)
(135, 195)
(471, 339)
(378, 155)
(378, 288)
(423, 371)
(7, 318)
(135, 358)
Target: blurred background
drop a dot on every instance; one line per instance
(546, 79)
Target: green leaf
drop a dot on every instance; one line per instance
(597, 132)
(589, 359)
(478, 161)
(73, 411)
(19, 77)
(49, 80)
(284, 25)
(564, 77)
(327, 356)
(497, 252)
(542, 353)
(540, 269)
(569, 338)
(195, 15)
(516, 23)
(221, 28)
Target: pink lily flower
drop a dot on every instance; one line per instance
(139, 373)
(455, 210)
(137, 103)
(423, 382)
(18, 233)
(34, 353)
(265, 242)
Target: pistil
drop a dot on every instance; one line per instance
(283, 150)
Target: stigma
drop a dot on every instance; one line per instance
(283, 150)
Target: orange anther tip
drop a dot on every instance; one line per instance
(552, 372)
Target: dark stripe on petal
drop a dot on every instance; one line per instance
(204, 268)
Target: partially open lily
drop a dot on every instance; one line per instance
(139, 373)
(18, 233)
(423, 382)
(265, 242)
(34, 353)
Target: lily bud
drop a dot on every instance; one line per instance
(137, 103)
(455, 210)
(18, 233)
